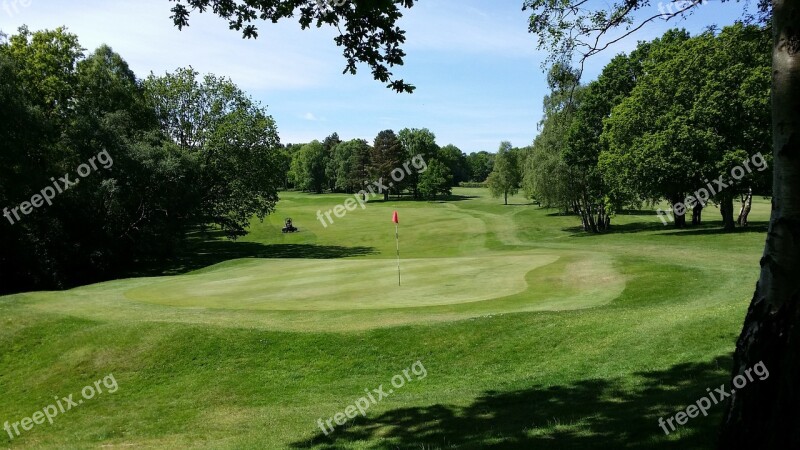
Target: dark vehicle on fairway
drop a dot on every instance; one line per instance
(288, 227)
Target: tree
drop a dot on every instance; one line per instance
(456, 162)
(46, 62)
(652, 148)
(387, 155)
(765, 415)
(734, 107)
(367, 30)
(352, 162)
(436, 180)
(308, 167)
(546, 177)
(417, 142)
(480, 165)
(232, 136)
(505, 178)
(329, 144)
(561, 170)
(61, 110)
(697, 111)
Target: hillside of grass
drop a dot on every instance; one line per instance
(532, 333)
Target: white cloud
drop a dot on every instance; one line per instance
(282, 58)
(311, 117)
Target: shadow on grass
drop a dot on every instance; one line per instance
(754, 227)
(627, 212)
(205, 249)
(705, 229)
(633, 227)
(439, 199)
(590, 414)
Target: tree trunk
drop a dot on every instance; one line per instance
(747, 204)
(506, 197)
(766, 414)
(697, 214)
(680, 220)
(726, 209)
(592, 224)
(582, 212)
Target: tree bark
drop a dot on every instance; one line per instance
(766, 414)
(697, 214)
(747, 204)
(680, 220)
(726, 209)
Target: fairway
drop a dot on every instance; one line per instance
(508, 307)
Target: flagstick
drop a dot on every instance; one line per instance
(397, 238)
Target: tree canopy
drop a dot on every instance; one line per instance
(368, 32)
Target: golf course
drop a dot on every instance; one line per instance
(533, 334)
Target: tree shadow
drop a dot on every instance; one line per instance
(590, 414)
(626, 228)
(704, 229)
(207, 248)
(753, 227)
(637, 212)
(439, 199)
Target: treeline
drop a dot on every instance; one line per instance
(334, 165)
(683, 119)
(145, 161)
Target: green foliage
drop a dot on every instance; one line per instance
(416, 142)
(46, 63)
(231, 136)
(329, 144)
(181, 153)
(387, 155)
(700, 108)
(506, 177)
(456, 162)
(437, 179)
(480, 165)
(367, 29)
(547, 178)
(658, 123)
(352, 162)
(308, 167)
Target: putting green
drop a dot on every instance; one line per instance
(349, 294)
(320, 285)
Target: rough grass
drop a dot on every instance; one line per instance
(533, 334)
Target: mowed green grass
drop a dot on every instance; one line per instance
(533, 334)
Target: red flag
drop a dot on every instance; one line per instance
(395, 219)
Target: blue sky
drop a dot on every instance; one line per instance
(477, 70)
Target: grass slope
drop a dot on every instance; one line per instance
(533, 334)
